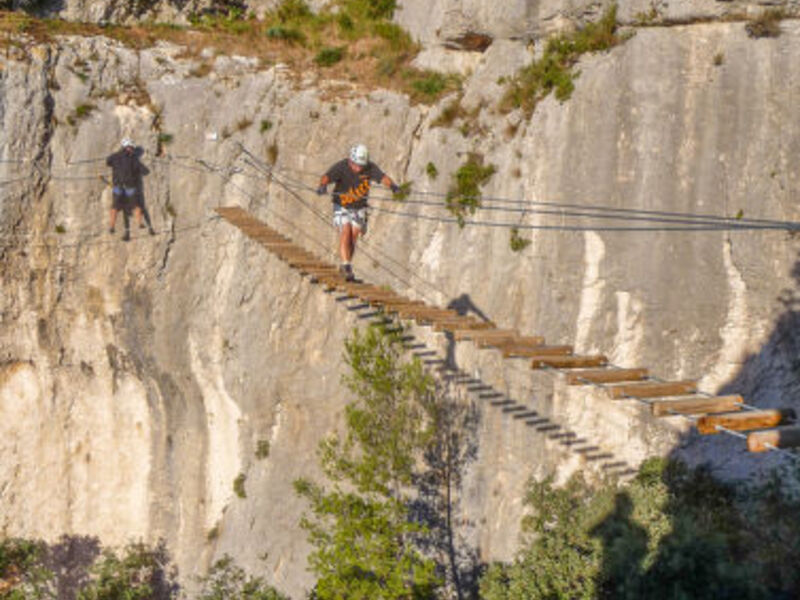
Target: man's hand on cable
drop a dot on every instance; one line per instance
(394, 187)
(322, 190)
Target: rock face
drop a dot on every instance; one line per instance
(139, 380)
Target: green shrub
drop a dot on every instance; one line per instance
(517, 242)
(84, 110)
(22, 568)
(372, 9)
(138, 574)
(165, 138)
(262, 449)
(266, 125)
(554, 71)
(430, 84)
(464, 197)
(238, 485)
(226, 581)
(287, 34)
(431, 170)
(396, 36)
(328, 56)
(293, 10)
(673, 532)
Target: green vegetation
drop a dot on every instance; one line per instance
(238, 485)
(60, 229)
(555, 70)
(262, 449)
(165, 138)
(266, 125)
(226, 581)
(767, 24)
(354, 39)
(672, 533)
(517, 242)
(79, 568)
(84, 110)
(719, 58)
(431, 170)
(138, 574)
(464, 197)
(23, 575)
(365, 543)
(327, 57)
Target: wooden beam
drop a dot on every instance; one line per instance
(568, 362)
(462, 323)
(512, 350)
(606, 376)
(423, 312)
(783, 437)
(744, 420)
(649, 389)
(529, 340)
(696, 406)
(482, 334)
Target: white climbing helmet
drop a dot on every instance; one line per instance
(359, 155)
(127, 143)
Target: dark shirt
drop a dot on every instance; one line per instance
(352, 189)
(126, 170)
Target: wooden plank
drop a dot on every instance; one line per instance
(309, 263)
(422, 311)
(744, 420)
(393, 306)
(648, 389)
(463, 322)
(696, 406)
(517, 350)
(529, 340)
(606, 376)
(568, 362)
(783, 437)
(475, 334)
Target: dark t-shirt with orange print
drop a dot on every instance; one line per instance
(352, 189)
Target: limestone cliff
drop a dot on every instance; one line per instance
(139, 380)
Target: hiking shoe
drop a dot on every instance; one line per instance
(141, 225)
(152, 231)
(111, 230)
(346, 271)
(127, 236)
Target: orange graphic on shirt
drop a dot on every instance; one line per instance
(355, 194)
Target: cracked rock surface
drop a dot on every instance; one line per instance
(138, 380)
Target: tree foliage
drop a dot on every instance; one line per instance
(227, 581)
(365, 543)
(672, 533)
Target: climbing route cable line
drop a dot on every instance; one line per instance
(562, 365)
(555, 359)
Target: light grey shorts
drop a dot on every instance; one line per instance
(356, 216)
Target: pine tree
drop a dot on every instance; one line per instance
(365, 541)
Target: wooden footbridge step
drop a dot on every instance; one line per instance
(665, 399)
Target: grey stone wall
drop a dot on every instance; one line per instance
(139, 379)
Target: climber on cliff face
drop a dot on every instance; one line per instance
(126, 180)
(352, 178)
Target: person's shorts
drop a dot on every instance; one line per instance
(356, 216)
(124, 197)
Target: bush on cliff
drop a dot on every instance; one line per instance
(672, 533)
